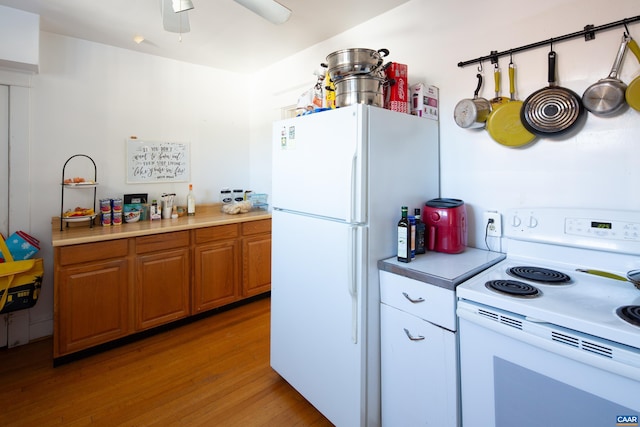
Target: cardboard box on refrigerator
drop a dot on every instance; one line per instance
(397, 98)
(424, 101)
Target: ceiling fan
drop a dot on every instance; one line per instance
(173, 17)
(176, 21)
(270, 10)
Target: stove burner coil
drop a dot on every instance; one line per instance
(513, 288)
(539, 274)
(630, 314)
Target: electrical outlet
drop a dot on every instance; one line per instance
(494, 221)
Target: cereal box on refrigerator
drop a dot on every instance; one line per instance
(398, 89)
(424, 101)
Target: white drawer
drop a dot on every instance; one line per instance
(431, 303)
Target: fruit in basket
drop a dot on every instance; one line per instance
(78, 211)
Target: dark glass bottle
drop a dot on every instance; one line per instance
(421, 230)
(404, 237)
(412, 222)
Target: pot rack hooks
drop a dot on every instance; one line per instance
(589, 33)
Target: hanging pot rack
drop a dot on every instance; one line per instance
(589, 33)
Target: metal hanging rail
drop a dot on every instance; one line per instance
(588, 33)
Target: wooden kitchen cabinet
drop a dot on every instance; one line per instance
(256, 257)
(91, 295)
(111, 289)
(162, 279)
(216, 267)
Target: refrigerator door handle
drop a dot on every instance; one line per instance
(352, 208)
(352, 281)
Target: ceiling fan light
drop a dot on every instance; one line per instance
(270, 10)
(182, 5)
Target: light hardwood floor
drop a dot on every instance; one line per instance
(213, 372)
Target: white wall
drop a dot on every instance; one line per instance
(595, 167)
(88, 98)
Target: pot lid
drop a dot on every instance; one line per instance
(444, 203)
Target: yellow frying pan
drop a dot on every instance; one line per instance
(504, 124)
(632, 94)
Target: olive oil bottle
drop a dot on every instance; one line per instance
(404, 237)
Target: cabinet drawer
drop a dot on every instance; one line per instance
(220, 232)
(92, 251)
(163, 241)
(432, 303)
(256, 227)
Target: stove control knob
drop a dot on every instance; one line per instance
(516, 221)
(533, 222)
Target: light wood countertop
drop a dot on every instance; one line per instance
(206, 216)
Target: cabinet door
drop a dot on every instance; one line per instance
(162, 287)
(419, 376)
(216, 274)
(256, 264)
(91, 305)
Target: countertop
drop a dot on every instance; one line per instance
(206, 216)
(443, 270)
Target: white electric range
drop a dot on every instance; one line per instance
(542, 342)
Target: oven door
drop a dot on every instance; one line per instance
(515, 371)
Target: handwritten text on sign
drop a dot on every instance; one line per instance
(157, 161)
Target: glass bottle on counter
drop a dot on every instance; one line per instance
(412, 223)
(191, 201)
(404, 237)
(421, 230)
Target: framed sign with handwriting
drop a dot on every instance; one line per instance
(156, 161)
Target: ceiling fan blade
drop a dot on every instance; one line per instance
(270, 10)
(172, 21)
(182, 5)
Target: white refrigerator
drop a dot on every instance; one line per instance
(340, 178)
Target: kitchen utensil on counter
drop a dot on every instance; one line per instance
(167, 204)
(633, 276)
(355, 61)
(552, 110)
(472, 113)
(607, 96)
(632, 94)
(497, 100)
(504, 123)
(446, 221)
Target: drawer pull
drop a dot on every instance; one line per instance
(415, 301)
(411, 337)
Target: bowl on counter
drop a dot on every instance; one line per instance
(132, 216)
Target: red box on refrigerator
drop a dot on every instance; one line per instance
(397, 98)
